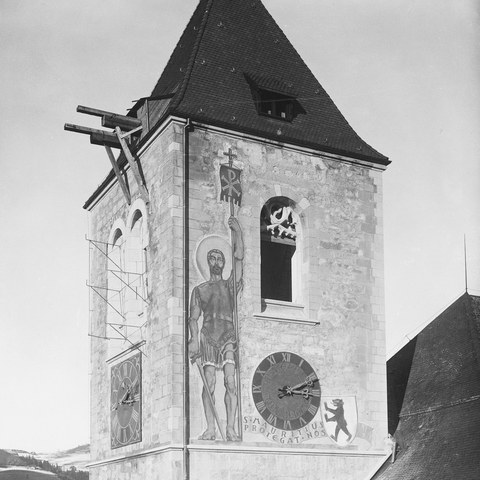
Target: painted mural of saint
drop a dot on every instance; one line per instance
(216, 343)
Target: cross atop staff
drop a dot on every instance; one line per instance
(231, 156)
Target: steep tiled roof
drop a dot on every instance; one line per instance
(398, 373)
(227, 46)
(438, 431)
(228, 49)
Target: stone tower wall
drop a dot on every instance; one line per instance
(162, 361)
(337, 324)
(340, 327)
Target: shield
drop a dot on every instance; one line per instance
(340, 419)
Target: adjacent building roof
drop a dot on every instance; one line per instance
(232, 47)
(439, 422)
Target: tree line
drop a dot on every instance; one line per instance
(71, 474)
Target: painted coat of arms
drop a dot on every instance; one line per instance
(340, 419)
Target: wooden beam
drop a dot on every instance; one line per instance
(93, 111)
(97, 139)
(112, 119)
(118, 174)
(70, 127)
(118, 121)
(133, 165)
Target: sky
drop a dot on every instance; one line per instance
(405, 73)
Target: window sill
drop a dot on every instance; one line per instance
(275, 117)
(284, 312)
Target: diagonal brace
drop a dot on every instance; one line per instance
(133, 165)
(118, 174)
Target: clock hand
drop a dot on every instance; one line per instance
(307, 383)
(286, 390)
(306, 393)
(129, 397)
(125, 395)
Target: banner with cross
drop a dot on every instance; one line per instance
(231, 188)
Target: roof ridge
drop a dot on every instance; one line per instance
(191, 62)
(473, 318)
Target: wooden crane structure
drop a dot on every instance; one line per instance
(124, 128)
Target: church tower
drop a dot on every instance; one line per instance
(236, 264)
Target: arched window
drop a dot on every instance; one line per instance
(280, 263)
(127, 281)
(116, 292)
(136, 277)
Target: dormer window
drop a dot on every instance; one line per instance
(275, 105)
(274, 97)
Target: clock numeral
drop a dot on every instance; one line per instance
(301, 362)
(256, 389)
(116, 428)
(261, 372)
(312, 377)
(287, 425)
(136, 435)
(136, 397)
(115, 422)
(313, 409)
(272, 359)
(272, 420)
(135, 415)
(315, 392)
(261, 407)
(302, 421)
(286, 357)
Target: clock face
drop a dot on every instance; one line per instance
(286, 391)
(125, 402)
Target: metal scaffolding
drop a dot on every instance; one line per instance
(123, 276)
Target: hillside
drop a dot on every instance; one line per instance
(9, 459)
(77, 457)
(37, 467)
(18, 473)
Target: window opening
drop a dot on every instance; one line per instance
(278, 230)
(136, 278)
(116, 293)
(122, 331)
(275, 105)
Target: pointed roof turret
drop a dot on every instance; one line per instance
(434, 389)
(233, 64)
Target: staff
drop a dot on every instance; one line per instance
(209, 395)
(232, 191)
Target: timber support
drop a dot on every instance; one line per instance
(124, 128)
